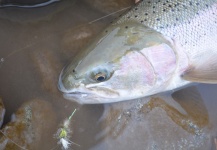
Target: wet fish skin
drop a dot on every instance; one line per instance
(151, 49)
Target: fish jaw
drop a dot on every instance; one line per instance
(87, 98)
(84, 94)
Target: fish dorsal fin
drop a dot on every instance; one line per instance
(203, 72)
(192, 102)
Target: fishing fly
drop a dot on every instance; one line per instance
(63, 133)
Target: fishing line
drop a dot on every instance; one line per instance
(61, 139)
(12, 141)
(109, 15)
(2, 60)
(30, 6)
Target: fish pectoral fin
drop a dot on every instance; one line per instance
(191, 101)
(205, 72)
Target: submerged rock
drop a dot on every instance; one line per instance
(31, 127)
(153, 124)
(2, 111)
(48, 67)
(77, 38)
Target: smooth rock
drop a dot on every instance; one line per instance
(48, 67)
(2, 112)
(31, 127)
(77, 38)
(152, 124)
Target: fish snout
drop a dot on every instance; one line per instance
(60, 85)
(69, 85)
(64, 84)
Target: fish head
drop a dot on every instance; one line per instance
(112, 68)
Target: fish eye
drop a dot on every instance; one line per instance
(99, 74)
(100, 77)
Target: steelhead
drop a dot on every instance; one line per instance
(158, 46)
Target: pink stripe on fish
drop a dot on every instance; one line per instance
(136, 65)
(163, 60)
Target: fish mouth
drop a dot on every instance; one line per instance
(69, 92)
(81, 98)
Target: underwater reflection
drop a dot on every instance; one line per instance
(35, 45)
(157, 123)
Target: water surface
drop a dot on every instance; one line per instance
(36, 43)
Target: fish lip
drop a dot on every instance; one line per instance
(76, 93)
(76, 97)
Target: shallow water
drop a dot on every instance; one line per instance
(36, 43)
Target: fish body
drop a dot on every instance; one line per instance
(157, 46)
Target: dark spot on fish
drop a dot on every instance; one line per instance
(158, 19)
(126, 27)
(146, 14)
(73, 70)
(164, 10)
(153, 12)
(177, 19)
(136, 16)
(136, 8)
(190, 3)
(106, 31)
(169, 5)
(174, 24)
(173, 10)
(184, 6)
(149, 2)
(207, 5)
(128, 17)
(153, 7)
(145, 19)
(197, 4)
(164, 3)
(142, 21)
(161, 27)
